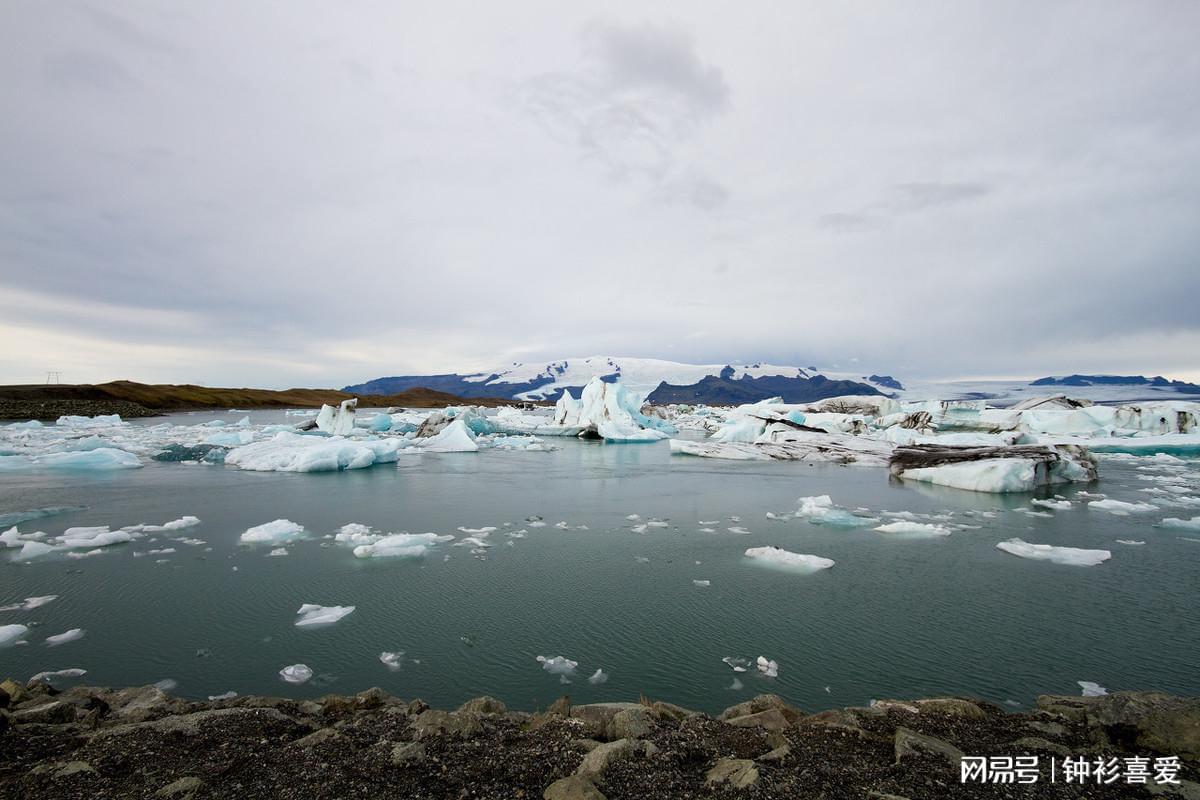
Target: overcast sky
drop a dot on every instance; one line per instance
(314, 193)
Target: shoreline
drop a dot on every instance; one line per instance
(140, 742)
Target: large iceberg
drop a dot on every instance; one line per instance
(454, 438)
(611, 412)
(994, 469)
(298, 452)
(1072, 556)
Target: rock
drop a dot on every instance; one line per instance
(596, 717)
(762, 702)
(777, 755)
(437, 723)
(909, 743)
(317, 737)
(408, 753)
(4, 698)
(835, 718)
(1070, 708)
(1151, 720)
(417, 707)
(63, 769)
(1042, 745)
(649, 749)
(13, 690)
(1050, 728)
(670, 711)
(191, 724)
(183, 789)
(560, 707)
(599, 759)
(483, 705)
(140, 703)
(573, 787)
(875, 795)
(372, 698)
(951, 707)
(772, 719)
(55, 712)
(4, 720)
(586, 745)
(1184, 790)
(776, 739)
(737, 772)
(633, 723)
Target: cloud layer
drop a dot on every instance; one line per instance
(288, 193)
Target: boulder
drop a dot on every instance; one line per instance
(763, 702)
(737, 772)
(632, 723)
(12, 690)
(1036, 744)
(183, 789)
(482, 705)
(909, 743)
(951, 707)
(778, 755)
(317, 737)
(63, 769)
(408, 753)
(601, 757)
(670, 711)
(1152, 720)
(55, 712)
(772, 719)
(597, 717)
(573, 787)
(439, 723)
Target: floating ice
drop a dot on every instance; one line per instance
(454, 438)
(768, 667)
(278, 551)
(314, 615)
(32, 549)
(701, 583)
(739, 530)
(296, 452)
(598, 677)
(796, 562)
(280, 531)
(914, 529)
(559, 665)
(101, 458)
(1072, 556)
(30, 603)
(99, 421)
(820, 510)
(393, 661)
(183, 523)
(736, 685)
(1091, 689)
(484, 531)
(1130, 541)
(50, 675)
(1120, 507)
(397, 545)
(63, 638)
(1057, 505)
(223, 696)
(738, 664)
(98, 536)
(1192, 524)
(337, 421)
(296, 673)
(11, 633)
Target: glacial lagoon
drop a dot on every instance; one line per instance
(895, 616)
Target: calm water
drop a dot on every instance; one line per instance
(896, 618)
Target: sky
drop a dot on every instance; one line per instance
(315, 194)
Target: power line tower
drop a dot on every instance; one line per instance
(53, 377)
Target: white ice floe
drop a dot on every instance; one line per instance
(95, 536)
(280, 531)
(701, 583)
(1057, 505)
(30, 603)
(223, 696)
(1071, 556)
(820, 510)
(1120, 507)
(99, 459)
(297, 452)
(392, 660)
(1192, 524)
(183, 523)
(768, 667)
(1130, 541)
(296, 673)
(598, 677)
(561, 666)
(9, 634)
(399, 545)
(1091, 689)
(914, 529)
(454, 438)
(313, 615)
(277, 552)
(49, 676)
(796, 562)
(736, 663)
(62, 638)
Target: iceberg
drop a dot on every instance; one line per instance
(337, 421)
(399, 545)
(1192, 524)
(76, 538)
(454, 438)
(598, 677)
(559, 665)
(1072, 556)
(314, 615)
(100, 421)
(820, 510)
(767, 666)
(1090, 689)
(62, 638)
(796, 562)
(101, 458)
(297, 452)
(280, 531)
(1120, 507)
(50, 675)
(994, 469)
(296, 673)
(393, 661)
(9, 634)
(611, 412)
(917, 530)
(30, 603)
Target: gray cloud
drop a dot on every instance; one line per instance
(81, 69)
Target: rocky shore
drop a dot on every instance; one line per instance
(88, 742)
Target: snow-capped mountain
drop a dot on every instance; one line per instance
(661, 381)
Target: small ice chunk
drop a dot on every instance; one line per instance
(63, 638)
(768, 667)
(484, 531)
(30, 603)
(296, 673)
(278, 551)
(820, 510)
(279, 531)
(166, 685)
(224, 696)
(393, 661)
(311, 614)
(1129, 541)
(702, 583)
(736, 685)
(1057, 505)
(1091, 689)
(797, 562)
(738, 664)
(11, 633)
(1120, 507)
(1192, 524)
(914, 529)
(50, 675)
(558, 665)
(598, 677)
(738, 530)
(1072, 556)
